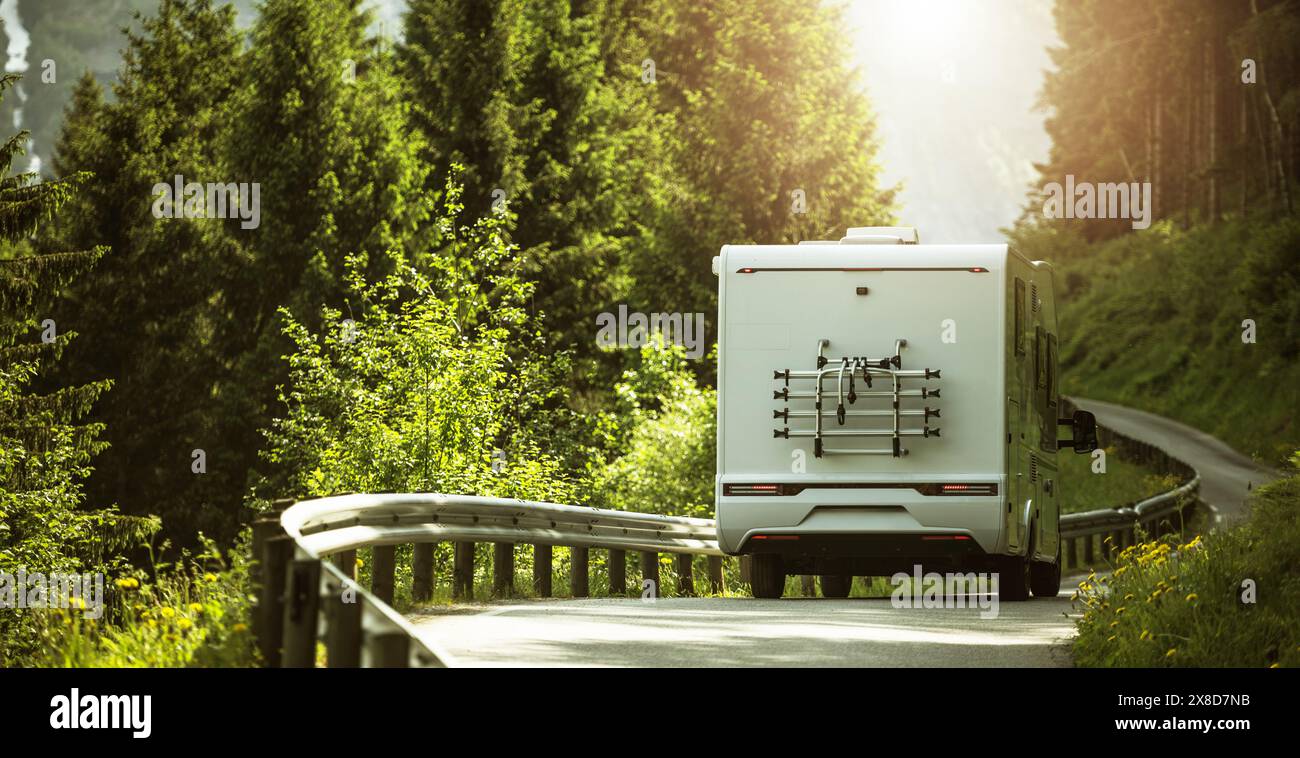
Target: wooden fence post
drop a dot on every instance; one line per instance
(503, 569)
(462, 587)
(264, 528)
(685, 575)
(346, 561)
(579, 564)
(390, 650)
(343, 635)
(421, 571)
(301, 614)
(276, 553)
(650, 572)
(715, 574)
(617, 572)
(543, 556)
(381, 574)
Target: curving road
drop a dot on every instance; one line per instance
(1225, 473)
(815, 632)
(702, 632)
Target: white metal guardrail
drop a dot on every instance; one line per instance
(305, 600)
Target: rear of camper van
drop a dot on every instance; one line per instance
(871, 417)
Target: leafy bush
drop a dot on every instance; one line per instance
(194, 613)
(1155, 319)
(1170, 604)
(670, 424)
(419, 388)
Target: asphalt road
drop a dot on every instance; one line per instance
(702, 632)
(1225, 473)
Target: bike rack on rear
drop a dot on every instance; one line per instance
(866, 367)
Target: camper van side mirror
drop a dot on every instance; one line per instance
(1083, 427)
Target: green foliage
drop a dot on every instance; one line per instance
(415, 388)
(1123, 483)
(1155, 319)
(1155, 92)
(1168, 604)
(194, 613)
(669, 432)
(46, 446)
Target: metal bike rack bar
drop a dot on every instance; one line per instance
(890, 368)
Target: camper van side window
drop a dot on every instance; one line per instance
(1020, 316)
(1051, 370)
(1040, 359)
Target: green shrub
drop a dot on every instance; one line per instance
(194, 613)
(1171, 604)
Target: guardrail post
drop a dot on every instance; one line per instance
(617, 572)
(301, 610)
(276, 553)
(346, 561)
(503, 569)
(390, 650)
(1088, 556)
(421, 571)
(579, 561)
(381, 574)
(1071, 553)
(542, 558)
(264, 528)
(462, 587)
(715, 574)
(685, 575)
(808, 585)
(650, 572)
(343, 634)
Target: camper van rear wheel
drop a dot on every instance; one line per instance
(767, 576)
(835, 585)
(1044, 577)
(1013, 578)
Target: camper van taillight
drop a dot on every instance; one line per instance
(973, 488)
(751, 489)
(979, 270)
(976, 489)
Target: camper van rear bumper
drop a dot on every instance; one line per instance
(935, 525)
(871, 554)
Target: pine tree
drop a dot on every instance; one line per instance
(45, 444)
(152, 310)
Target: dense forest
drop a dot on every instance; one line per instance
(1197, 316)
(414, 307)
(442, 220)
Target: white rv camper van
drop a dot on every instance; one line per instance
(884, 404)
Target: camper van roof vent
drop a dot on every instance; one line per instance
(881, 235)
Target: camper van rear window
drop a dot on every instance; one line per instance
(933, 489)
